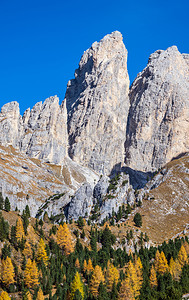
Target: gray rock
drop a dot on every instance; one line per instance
(81, 203)
(98, 104)
(41, 133)
(101, 188)
(123, 194)
(158, 123)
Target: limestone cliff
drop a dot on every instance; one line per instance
(158, 122)
(41, 132)
(98, 104)
(45, 131)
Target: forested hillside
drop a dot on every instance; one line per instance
(42, 260)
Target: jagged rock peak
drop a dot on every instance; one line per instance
(158, 124)
(10, 124)
(40, 133)
(98, 104)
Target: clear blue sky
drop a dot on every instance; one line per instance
(41, 42)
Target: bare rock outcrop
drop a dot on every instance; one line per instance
(41, 133)
(98, 104)
(45, 131)
(10, 124)
(158, 122)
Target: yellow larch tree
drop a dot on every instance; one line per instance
(96, 279)
(41, 252)
(27, 250)
(139, 271)
(32, 237)
(77, 285)
(153, 277)
(175, 269)
(186, 246)
(126, 291)
(64, 239)
(90, 266)
(112, 275)
(77, 264)
(85, 266)
(40, 295)
(163, 264)
(4, 296)
(31, 274)
(19, 230)
(182, 256)
(7, 272)
(133, 279)
(156, 261)
(28, 296)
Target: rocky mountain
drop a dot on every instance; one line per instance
(98, 105)
(31, 181)
(41, 133)
(65, 158)
(158, 122)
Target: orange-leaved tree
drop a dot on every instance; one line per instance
(4, 296)
(175, 268)
(7, 272)
(64, 239)
(19, 230)
(153, 277)
(182, 256)
(40, 295)
(90, 266)
(162, 264)
(96, 279)
(126, 291)
(31, 274)
(112, 275)
(27, 250)
(41, 252)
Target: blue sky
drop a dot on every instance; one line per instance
(41, 42)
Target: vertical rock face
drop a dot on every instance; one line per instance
(158, 122)
(45, 131)
(98, 104)
(10, 124)
(41, 133)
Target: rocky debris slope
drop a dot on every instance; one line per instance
(30, 181)
(158, 122)
(165, 207)
(41, 132)
(98, 104)
(92, 201)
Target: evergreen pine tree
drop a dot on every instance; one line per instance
(2, 202)
(102, 292)
(7, 204)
